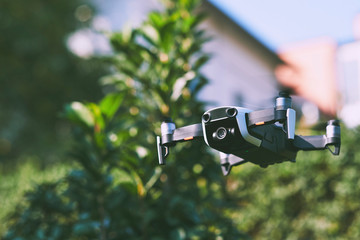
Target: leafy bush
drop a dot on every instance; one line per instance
(14, 184)
(118, 191)
(315, 198)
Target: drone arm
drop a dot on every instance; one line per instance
(288, 117)
(261, 117)
(188, 133)
(308, 143)
(182, 134)
(170, 136)
(332, 138)
(271, 115)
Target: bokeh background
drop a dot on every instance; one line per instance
(85, 85)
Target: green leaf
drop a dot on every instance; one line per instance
(201, 61)
(150, 33)
(110, 104)
(78, 113)
(188, 22)
(167, 36)
(121, 176)
(153, 179)
(156, 19)
(98, 118)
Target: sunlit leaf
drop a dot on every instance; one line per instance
(121, 176)
(156, 19)
(150, 33)
(77, 112)
(110, 104)
(98, 117)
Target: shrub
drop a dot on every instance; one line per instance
(314, 198)
(118, 191)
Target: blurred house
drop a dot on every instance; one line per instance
(310, 73)
(241, 71)
(348, 63)
(327, 74)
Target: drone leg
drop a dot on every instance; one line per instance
(227, 161)
(163, 151)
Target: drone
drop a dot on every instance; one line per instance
(262, 137)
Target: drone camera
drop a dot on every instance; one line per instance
(222, 132)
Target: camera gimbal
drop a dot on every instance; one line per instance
(263, 137)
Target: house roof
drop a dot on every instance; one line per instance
(252, 42)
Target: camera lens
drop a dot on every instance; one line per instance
(231, 112)
(206, 117)
(221, 133)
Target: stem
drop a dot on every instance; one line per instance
(101, 210)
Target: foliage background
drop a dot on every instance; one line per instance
(314, 198)
(39, 75)
(113, 187)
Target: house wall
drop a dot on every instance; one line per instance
(348, 63)
(241, 71)
(348, 76)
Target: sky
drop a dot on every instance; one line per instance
(276, 23)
